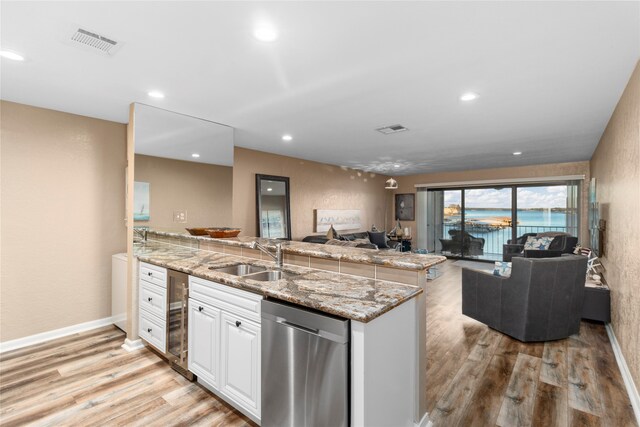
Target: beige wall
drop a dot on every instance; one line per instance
(313, 186)
(203, 190)
(63, 192)
(406, 184)
(616, 167)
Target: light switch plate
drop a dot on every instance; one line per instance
(180, 216)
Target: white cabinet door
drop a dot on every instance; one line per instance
(204, 339)
(240, 361)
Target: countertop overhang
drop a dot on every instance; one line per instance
(387, 258)
(343, 295)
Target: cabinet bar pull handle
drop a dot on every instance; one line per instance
(238, 323)
(200, 308)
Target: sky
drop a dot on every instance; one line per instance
(528, 197)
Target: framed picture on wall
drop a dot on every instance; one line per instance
(405, 207)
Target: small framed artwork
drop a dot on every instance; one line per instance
(405, 207)
(141, 201)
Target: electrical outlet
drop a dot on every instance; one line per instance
(180, 216)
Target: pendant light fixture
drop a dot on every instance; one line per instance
(391, 184)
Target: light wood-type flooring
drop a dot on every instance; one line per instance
(476, 377)
(88, 380)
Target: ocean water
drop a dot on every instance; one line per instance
(528, 222)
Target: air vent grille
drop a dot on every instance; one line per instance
(392, 129)
(95, 41)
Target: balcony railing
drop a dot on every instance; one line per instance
(494, 237)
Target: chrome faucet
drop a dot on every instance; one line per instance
(141, 232)
(277, 256)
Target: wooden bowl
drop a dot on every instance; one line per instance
(223, 232)
(233, 232)
(197, 231)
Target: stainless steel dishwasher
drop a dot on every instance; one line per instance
(305, 367)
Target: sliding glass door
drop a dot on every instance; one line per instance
(488, 220)
(476, 222)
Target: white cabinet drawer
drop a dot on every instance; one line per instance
(153, 331)
(153, 299)
(153, 274)
(234, 300)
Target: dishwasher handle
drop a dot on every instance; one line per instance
(301, 328)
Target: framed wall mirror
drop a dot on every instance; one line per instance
(273, 212)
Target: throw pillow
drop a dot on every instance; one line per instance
(379, 239)
(502, 269)
(332, 233)
(538, 243)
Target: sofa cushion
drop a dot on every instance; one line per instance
(378, 238)
(540, 243)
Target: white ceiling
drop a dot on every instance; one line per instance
(548, 74)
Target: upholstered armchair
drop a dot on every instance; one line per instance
(463, 243)
(541, 300)
(562, 243)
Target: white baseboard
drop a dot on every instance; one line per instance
(425, 421)
(132, 345)
(632, 391)
(50, 335)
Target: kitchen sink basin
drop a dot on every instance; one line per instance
(271, 275)
(239, 270)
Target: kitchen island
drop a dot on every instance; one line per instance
(387, 340)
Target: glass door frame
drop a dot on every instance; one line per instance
(514, 207)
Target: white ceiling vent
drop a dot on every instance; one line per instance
(95, 42)
(392, 129)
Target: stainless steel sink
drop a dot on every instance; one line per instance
(239, 270)
(271, 275)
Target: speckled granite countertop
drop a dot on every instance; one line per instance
(385, 258)
(347, 296)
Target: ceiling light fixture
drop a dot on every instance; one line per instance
(269, 189)
(287, 137)
(265, 33)
(517, 153)
(391, 184)
(195, 155)
(469, 96)
(11, 55)
(396, 166)
(156, 94)
(387, 130)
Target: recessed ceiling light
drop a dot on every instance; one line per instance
(396, 166)
(469, 96)
(517, 153)
(269, 189)
(156, 94)
(195, 155)
(11, 55)
(287, 137)
(265, 33)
